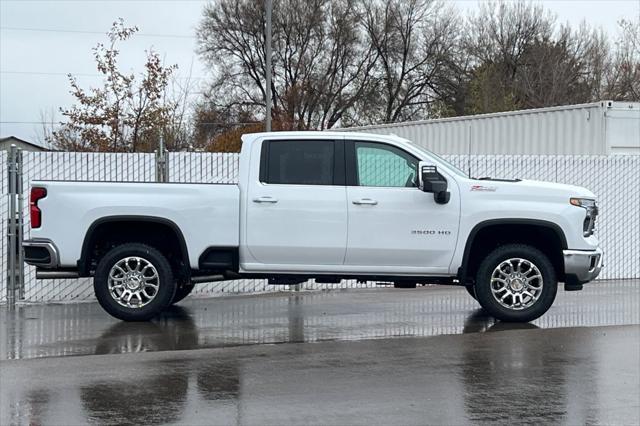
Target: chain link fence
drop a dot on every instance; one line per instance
(613, 179)
(80, 166)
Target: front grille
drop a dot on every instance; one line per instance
(589, 225)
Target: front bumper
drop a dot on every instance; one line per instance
(582, 266)
(41, 252)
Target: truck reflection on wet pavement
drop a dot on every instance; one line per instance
(360, 357)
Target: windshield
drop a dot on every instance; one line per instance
(430, 154)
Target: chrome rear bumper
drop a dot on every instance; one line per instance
(40, 252)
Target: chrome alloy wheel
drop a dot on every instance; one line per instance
(133, 282)
(516, 283)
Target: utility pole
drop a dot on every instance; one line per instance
(269, 8)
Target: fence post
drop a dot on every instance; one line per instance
(165, 166)
(11, 227)
(162, 170)
(162, 166)
(20, 221)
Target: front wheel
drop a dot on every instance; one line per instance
(134, 282)
(516, 283)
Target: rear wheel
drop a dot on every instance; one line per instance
(134, 282)
(516, 283)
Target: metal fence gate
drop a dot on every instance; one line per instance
(614, 179)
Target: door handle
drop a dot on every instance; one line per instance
(365, 201)
(265, 200)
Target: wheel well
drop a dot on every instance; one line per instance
(484, 238)
(163, 235)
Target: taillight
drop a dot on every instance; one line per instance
(36, 215)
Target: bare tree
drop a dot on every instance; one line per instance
(523, 60)
(178, 130)
(414, 41)
(44, 132)
(501, 32)
(320, 63)
(566, 69)
(497, 39)
(344, 62)
(622, 81)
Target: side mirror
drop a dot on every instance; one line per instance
(429, 180)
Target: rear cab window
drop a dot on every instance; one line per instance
(302, 162)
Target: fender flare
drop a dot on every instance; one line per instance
(462, 271)
(83, 264)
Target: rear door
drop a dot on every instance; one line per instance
(296, 206)
(394, 227)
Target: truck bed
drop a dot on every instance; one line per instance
(207, 214)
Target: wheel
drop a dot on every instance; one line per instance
(181, 292)
(134, 282)
(516, 283)
(471, 290)
(404, 284)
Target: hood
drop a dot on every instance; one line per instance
(532, 187)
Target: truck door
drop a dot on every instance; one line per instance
(394, 227)
(296, 205)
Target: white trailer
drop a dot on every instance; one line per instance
(599, 128)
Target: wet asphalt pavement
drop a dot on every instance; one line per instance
(385, 356)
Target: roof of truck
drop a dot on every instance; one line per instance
(309, 134)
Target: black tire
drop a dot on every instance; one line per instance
(181, 292)
(166, 287)
(472, 291)
(538, 307)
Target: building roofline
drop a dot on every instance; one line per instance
(599, 104)
(23, 141)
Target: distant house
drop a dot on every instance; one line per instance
(5, 144)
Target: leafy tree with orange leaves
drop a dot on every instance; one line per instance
(125, 114)
(229, 139)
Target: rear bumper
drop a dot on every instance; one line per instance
(41, 253)
(582, 266)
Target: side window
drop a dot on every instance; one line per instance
(298, 162)
(379, 164)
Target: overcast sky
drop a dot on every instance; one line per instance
(43, 40)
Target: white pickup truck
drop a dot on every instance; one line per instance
(326, 206)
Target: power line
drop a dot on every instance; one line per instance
(73, 74)
(107, 1)
(214, 123)
(54, 30)
(29, 122)
(48, 73)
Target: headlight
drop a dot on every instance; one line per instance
(587, 203)
(589, 224)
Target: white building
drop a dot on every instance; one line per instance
(5, 144)
(599, 128)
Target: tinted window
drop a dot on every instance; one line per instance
(300, 162)
(384, 165)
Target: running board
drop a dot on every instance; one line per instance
(208, 278)
(55, 275)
